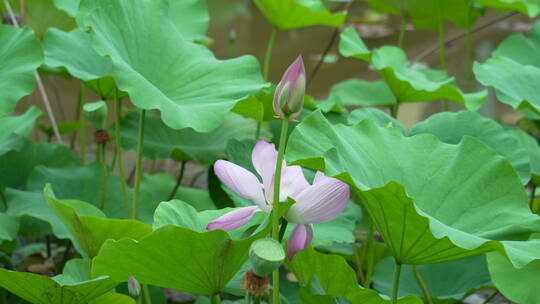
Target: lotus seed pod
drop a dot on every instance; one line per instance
(266, 255)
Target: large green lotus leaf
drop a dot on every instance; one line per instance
(190, 18)
(351, 45)
(90, 232)
(529, 7)
(9, 226)
(513, 70)
(12, 126)
(177, 258)
(17, 166)
(160, 140)
(332, 274)
(177, 213)
(80, 183)
(445, 281)
(378, 116)
(518, 285)
(69, 6)
(451, 127)
(161, 70)
(427, 14)
(413, 85)
(533, 150)
(357, 92)
(408, 83)
(20, 56)
(45, 290)
(41, 15)
(431, 201)
(290, 14)
(33, 205)
(73, 51)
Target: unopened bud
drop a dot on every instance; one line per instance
(289, 94)
(134, 288)
(266, 255)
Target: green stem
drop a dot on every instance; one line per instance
(275, 216)
(268, 55)
(103, 177)
(118, 143)
(138, 166)
(146, 294)
(216, 299)
(3, 197)
(394, 109)
(469, 50)
(82, 130)
(422, 284)
(258, 131)
(370, 255)
(442, 52)
(531, 199)
(77, 116)
(402, 28)
(178, 180)
(360, 254)
(395, 283)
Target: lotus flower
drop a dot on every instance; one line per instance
(289, 95)
(320, 202)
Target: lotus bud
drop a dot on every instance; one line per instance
(289, 94)
(266, 255)
(134, 288)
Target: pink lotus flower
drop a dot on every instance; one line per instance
(289, 95)
(320, 202)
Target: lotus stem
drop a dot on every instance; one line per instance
(370, 256)
(422, 284)
(178, 181)
(394, 110)
(3, 198)
(275, 216)
(138, 166)
(118, 143)
(402, 29)
(268, 55)
(216, 299)
(395, 283)
(103, 177)
(146, 294)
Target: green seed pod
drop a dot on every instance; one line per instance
(266, 255)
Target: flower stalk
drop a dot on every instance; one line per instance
(275, 215)
(395, 283)
(117, 118)
(138, 167)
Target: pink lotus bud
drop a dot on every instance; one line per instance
(289, 95)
